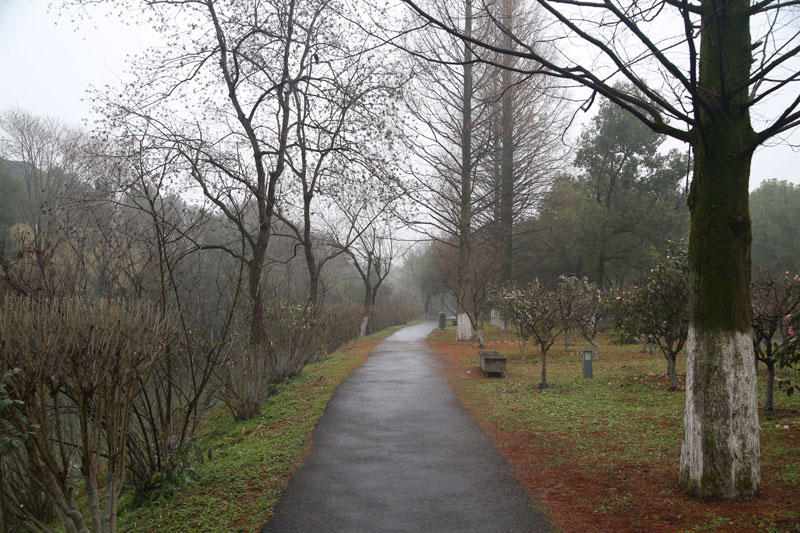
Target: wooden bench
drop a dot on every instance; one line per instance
(492, 363)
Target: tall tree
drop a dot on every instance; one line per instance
(524, 129)
(465, 215)
(712, 73)
(449, 145)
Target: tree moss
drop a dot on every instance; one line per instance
(723, 142)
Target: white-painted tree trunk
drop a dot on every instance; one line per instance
(464, 327)
(720, 458)
(497, 321)
(364, 322)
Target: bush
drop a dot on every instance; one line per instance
(245, 380)
(341, 324)
(81, 365)
(168, 411)
(294, 339)
(657, 310)
(249, 376)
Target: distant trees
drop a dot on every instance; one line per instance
(422, 269)
(10, 199)
(44, 169)
(776, 231)
(610, 220)
(636, 198)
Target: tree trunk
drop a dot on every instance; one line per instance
(768, 402)
(543, 383)
(506, 210)
(601, 270)
(257, 318)
(522, 349)
(463, 327)
(464, 331)
(720, 454)
(311, 261)
(671, 372)
(367, 305)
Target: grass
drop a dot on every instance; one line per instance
(602, 454)
(252, 461)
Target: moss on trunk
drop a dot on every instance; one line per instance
(720, 455)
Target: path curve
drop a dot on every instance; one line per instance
(396, 451)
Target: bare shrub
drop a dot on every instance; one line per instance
(340, 324)
(245, 381)
(251, 371)
(81, 365)
(168, 411)
(293, 339)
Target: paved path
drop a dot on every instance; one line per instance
(396, 451)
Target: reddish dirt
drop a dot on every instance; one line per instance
(617, 497)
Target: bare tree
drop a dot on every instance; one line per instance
(450, 143)
(524, 129)
(252, 60)
(369, 242)
(341, 140)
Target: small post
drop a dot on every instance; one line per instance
(587, 363)
(442, 320)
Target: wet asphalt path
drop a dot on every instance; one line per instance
(396, 451)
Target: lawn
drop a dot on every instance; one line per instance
(250, 462)
(602, 454)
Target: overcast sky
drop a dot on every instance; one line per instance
(47, 64)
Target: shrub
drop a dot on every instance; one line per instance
(773, 298)
(81, 365)
(298, 334)
(537, 312)
(657, 310)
